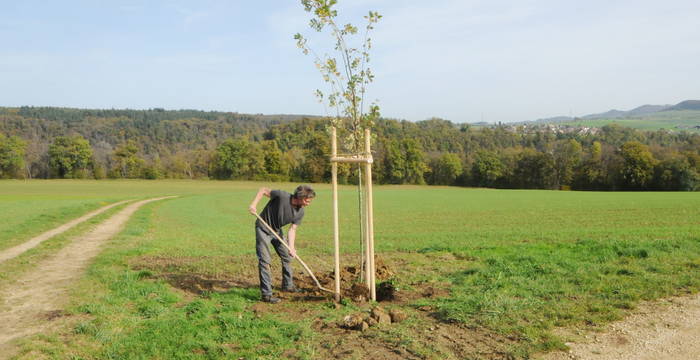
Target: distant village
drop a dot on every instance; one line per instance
(555, 128)
(571, 129)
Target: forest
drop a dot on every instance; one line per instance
(50, 142)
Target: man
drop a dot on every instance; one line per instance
(282, 209)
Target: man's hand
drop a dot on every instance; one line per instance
(252, 210)
(293, 252)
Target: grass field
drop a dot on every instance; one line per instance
(504, 268)
(37, 206)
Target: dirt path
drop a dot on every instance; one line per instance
(666, 329)
(12, 252)
(42, 291)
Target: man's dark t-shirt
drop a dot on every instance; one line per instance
(279, 212)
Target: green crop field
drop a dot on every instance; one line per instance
(498, 270)
(32, 207)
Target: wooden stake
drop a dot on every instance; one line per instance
(336, 239)
(370, 218)
(365, 228)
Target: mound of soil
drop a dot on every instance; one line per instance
(384, 272)
(351, 282)
(386, 291)
(349, 338)
(358, 292)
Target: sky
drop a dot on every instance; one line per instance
(464, 61)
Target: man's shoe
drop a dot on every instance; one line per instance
(271, 299)
(291, 289)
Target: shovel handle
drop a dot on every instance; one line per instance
(308, 270)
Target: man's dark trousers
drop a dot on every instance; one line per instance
(262, 243)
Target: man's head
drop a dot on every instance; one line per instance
(303, 195)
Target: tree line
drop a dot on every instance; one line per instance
(157, 143)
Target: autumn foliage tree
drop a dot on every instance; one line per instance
(12, 150)
(126, 162)
(69, 157)
(638, 167)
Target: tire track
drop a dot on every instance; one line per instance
(42, 291)
(15, 251)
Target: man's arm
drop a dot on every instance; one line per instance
(291, 236)
(253, 206)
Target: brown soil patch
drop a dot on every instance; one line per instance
(43, 290)
(53, 315)
(426, 331)
(176, 271)
(184, 273)
(351, 283)
(440, 340)
(433, 291)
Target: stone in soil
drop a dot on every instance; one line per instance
(381, 316)
(397, 315)
(353, 322)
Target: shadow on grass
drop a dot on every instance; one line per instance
(201, 285)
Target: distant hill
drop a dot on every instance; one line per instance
(606, 115)
(686, 105)
(641, 110)
(647, 109)
(614, 113)
(682, 116)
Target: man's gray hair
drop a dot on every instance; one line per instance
(304, 192)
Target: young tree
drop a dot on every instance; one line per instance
(69, 156)
(347, 78)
